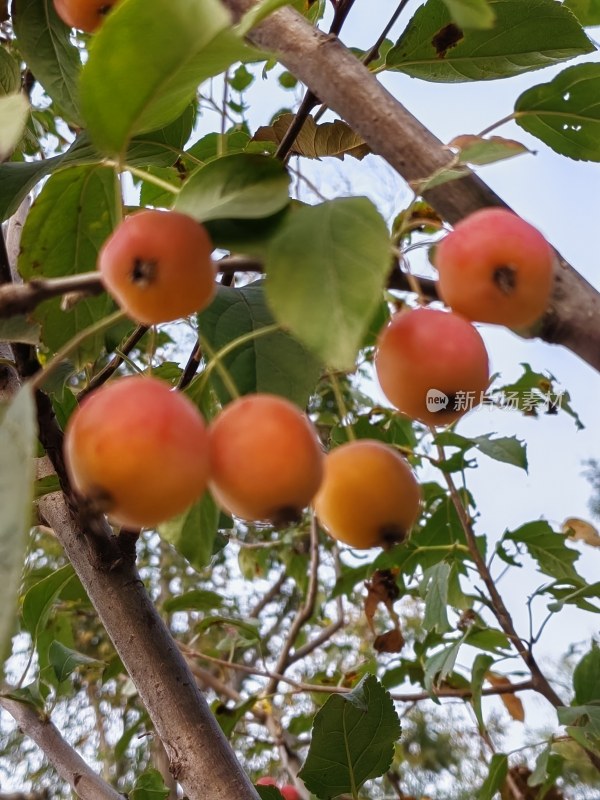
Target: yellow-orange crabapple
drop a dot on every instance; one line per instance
(137, 451)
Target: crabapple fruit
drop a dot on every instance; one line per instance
(157, 265)
(266, 781)
(290, 792)
(495, 267)
(137, 451)
(369, 496)
(432, 365)
(85, 15)
(266, 462)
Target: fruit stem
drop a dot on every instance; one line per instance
(495, 125)
(217, 358)
(38, 380)
(146, 176)
(342, 409)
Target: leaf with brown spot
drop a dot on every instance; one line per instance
(512, 703)
(447, 37)
(334, 139)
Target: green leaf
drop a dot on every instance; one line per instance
(352, 741)
(548, 549)
(495, 778)
(194, 600)
(586, 677)
(193, 533)
(133, 83)
(38, 602)
(275, 363)
(66, 226)
(326, 270)
(471, 13)
(508, 449)
(10, 73)
(44, 43)
(440, 664)
(239, 186)
(479, 151)
(583, 725)
(564, 113)
(586, 11)
(18, 441)
(14, 111)
(525, 36)
(64, 661)
(481, 665)
(434, 589)
(229, 716)
(19, 329)
(316, 141)
(149, 786)
(258, 12)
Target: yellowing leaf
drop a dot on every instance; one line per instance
(335, 139)
(512, 703)
(581, 530)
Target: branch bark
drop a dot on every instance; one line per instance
(201, 759)
(339, 79)
(65, 759)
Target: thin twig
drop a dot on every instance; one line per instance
(24, 297)
(401, 697)
(113, 365)
(307, 610)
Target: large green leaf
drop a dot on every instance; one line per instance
(38, 602)
(326, 270)
(44, 43)
(434, 590)
(565, 113)
(10, 73)
(146, 62)
(548, 549)
(17, 450)
(586, 677)
(526, 36)
(471, 13)
(193, 533)
(275, 363)
(239, 186)
(586, 11)
(353, 740)
(149, 786)
(67, 224)
(14, 110)
(496, 776)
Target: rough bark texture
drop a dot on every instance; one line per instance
(67, 762)
(336, 76)
(200, 757)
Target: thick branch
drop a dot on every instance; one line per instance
(200, 756)
(67, 762)
(338, 78)
(24, 297)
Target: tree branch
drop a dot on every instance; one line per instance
(67, 762)
(201, 759)
(24, 297)
(339, 79)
